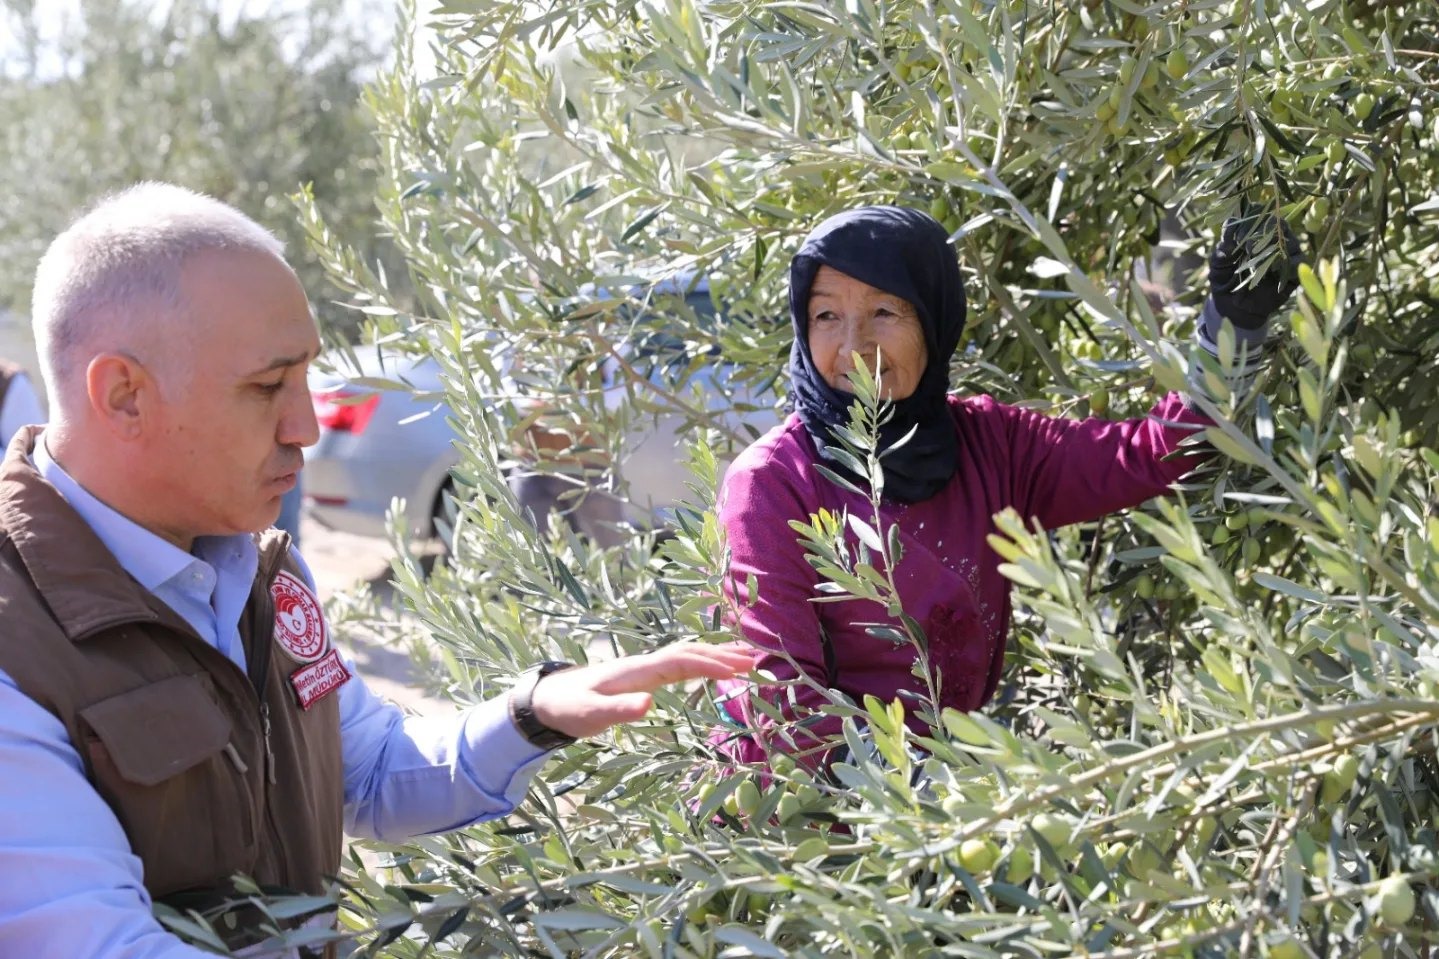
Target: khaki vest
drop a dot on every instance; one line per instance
(171, 732)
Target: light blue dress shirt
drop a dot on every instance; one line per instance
(69, 884)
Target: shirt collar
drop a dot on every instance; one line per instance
(151, 559)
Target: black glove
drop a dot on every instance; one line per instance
(1245, 302)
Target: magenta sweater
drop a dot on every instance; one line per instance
(1053, 469)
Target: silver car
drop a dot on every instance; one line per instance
(377, 445)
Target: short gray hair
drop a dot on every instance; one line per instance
(116, 269)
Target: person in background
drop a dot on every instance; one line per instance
(884, 283)
(558, 467)
(173, 707)
(19, 405)
(555, 476)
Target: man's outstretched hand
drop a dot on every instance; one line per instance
(587, 700)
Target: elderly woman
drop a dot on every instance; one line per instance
(884, 282)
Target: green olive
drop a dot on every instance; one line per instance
(1176, 64)
(1339, 779)
(1021, 865)
(1056, 830)
(978, 856)
(788, 808)
(1250, 551)
(747, 797)
(1395, 900)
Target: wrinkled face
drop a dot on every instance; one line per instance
(226, 441)
(847, 316)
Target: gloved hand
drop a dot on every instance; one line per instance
(1244, 301)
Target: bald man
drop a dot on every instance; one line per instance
(173, 708)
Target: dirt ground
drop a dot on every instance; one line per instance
(339, 560)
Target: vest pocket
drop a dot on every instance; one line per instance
(157, 755)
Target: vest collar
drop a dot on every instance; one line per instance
(85, 587)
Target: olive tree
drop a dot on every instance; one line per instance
(247, 104)
(1216, 735)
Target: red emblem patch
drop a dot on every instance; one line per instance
(317, 680)
(299, 621)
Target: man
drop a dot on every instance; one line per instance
(172, 708)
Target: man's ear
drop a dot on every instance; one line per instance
(119, 389)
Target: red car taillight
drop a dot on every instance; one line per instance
(346, 411)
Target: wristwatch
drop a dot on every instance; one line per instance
(522, 709)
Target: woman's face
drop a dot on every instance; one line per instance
(847, 316)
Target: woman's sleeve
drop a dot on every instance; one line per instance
(1068, 471)
(758, 502)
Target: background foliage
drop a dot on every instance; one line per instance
(247, 105)
(1217, 733)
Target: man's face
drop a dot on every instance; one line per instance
(228, 430)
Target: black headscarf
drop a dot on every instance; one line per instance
(905, 253)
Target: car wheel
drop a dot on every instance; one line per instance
(442, 522)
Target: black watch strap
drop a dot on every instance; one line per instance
(522, 709)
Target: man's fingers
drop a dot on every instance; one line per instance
(588, 700)
(674, 664)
